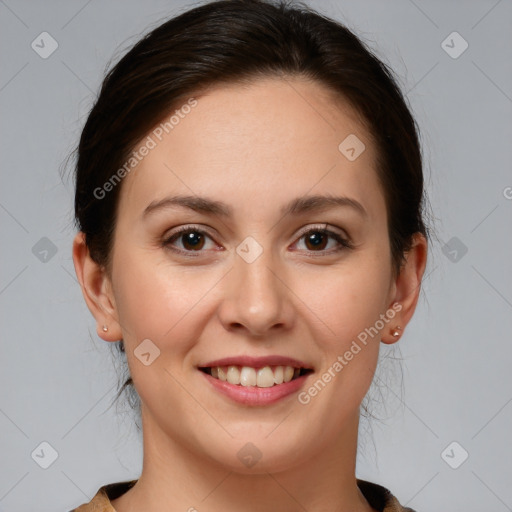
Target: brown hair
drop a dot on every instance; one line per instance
(235, 41)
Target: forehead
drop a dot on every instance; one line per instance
(267, 138)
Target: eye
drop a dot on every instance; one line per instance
(316, 239)
(191, 239)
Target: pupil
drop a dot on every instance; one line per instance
(316, 239)
(193, 239)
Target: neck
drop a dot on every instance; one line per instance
(175, 478)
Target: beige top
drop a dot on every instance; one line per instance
(377, 496)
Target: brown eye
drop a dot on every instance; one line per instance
(187, 240)
(193, 241)
(317, 240)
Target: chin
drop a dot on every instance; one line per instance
(259, 456)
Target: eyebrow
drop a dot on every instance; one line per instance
(297, 206)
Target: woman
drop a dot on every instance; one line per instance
(249, 198)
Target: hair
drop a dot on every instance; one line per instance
(239, 41)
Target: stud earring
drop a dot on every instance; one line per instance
(396, 332)
(105, 328)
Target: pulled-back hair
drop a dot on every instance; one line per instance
(239, 41)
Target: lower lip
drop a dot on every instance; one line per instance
(252, 395)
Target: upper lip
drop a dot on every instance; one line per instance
(257, 362)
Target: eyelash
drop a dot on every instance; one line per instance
(343, 242)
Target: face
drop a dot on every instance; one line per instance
(263, 276)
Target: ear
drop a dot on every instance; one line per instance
(97, 290)
(406, 289)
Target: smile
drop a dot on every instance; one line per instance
(265, 377)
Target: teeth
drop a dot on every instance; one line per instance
(233, 375)
(279, 375)
(288, 373)
(265, 377)
(248, 376)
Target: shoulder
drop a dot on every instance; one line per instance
(380, 498)
(101, 500)
(377, 496)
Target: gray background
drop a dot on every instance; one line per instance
(57, 378)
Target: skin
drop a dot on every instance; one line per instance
(254, 147)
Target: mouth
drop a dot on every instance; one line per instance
(261, 377)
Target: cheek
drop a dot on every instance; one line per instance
(346, 307)
(344, 301)
(161, 302)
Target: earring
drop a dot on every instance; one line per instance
(105, 328)
(396, 332)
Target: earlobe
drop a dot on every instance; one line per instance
(407, 288)
(396, 332)
(97, 291)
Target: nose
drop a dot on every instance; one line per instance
(256, 298)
